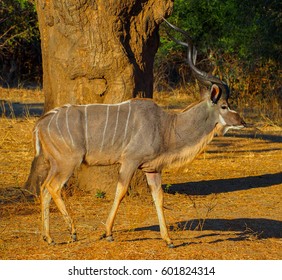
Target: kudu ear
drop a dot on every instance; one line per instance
(215, 93)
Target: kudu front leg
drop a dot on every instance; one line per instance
(120, 193)
(125, 176)
(154, 182)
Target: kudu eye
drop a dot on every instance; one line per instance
(224, 107)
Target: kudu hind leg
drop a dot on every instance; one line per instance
(52, 189)
(154, 182)
(55, 188)
(45, 212)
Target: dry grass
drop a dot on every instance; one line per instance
(225, 205)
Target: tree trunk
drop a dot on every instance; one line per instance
(98, 51)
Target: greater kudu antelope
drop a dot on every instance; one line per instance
(136, 134)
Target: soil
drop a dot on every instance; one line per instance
(224, 205)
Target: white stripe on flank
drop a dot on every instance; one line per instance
(127, 121)
(86, 127)
(116, 125)
(53, 111)
(68, 128)
(48, 127)
(105, 128)
(60, 132)
(37, 144)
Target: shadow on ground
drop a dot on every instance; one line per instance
(226, 185)
(274, 136)
(10, 195)
(244, 228)
(20, 110)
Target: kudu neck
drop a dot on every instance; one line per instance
(194, 124)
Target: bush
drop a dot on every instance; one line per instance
(239, 41)
(20, 53)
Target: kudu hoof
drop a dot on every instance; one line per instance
(74, 237)
(109, 238)
(170, 245)
(49, 240)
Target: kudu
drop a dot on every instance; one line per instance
(136, 134)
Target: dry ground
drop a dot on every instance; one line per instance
(225, 205)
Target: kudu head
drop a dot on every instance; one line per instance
(219, 90)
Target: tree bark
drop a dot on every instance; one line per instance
(98, 51)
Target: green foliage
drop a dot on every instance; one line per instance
(239, 41)
(20, 55)
(249, 29)
(100, 194)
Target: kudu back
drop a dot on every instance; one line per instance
(136, 134)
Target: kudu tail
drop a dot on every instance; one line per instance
(39, 168)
